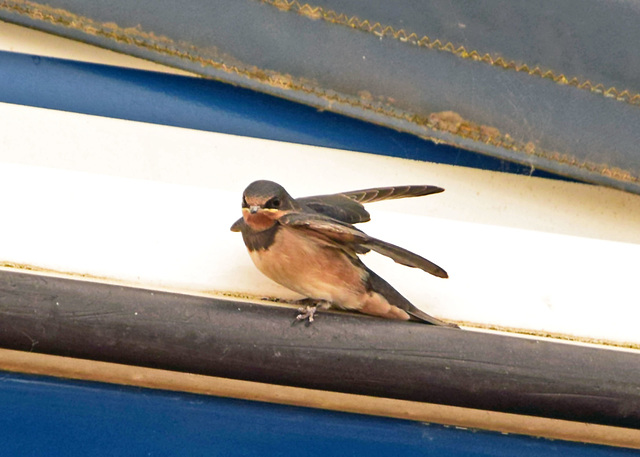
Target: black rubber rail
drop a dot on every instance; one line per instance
(338, 352)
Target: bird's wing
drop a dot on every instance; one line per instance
(391, 193)
(336, 206)
(404, 257)
(237, 225)
(340, 233)
(345, 236)
(347, 206)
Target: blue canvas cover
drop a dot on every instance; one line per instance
(549, 84)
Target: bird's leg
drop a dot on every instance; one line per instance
(308, 311)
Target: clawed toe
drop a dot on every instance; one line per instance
(309, 311)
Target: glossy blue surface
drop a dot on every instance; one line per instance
(213, 106)
(46, 416)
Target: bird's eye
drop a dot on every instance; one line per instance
(244, 202)
(273, 203)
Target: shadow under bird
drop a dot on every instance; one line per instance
(309, 245)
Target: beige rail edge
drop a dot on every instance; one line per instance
(88, 370)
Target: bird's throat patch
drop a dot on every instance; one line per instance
(256, 241)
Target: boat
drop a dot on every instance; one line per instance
(134, 322)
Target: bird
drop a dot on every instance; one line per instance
(310, 246)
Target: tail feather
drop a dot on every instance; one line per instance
(376, 284)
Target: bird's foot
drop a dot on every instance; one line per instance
(309, 310)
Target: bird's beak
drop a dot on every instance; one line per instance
(254, 209)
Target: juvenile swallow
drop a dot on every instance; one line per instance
(309, 245)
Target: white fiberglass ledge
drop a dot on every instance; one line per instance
(151, 205)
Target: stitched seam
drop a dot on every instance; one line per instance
(380, 30)
(446, 122)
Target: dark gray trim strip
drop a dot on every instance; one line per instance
(338, 352)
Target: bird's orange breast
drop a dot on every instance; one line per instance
(311, 267)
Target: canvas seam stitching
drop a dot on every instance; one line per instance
(387, 31)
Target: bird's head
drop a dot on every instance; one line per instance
(264, 202)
